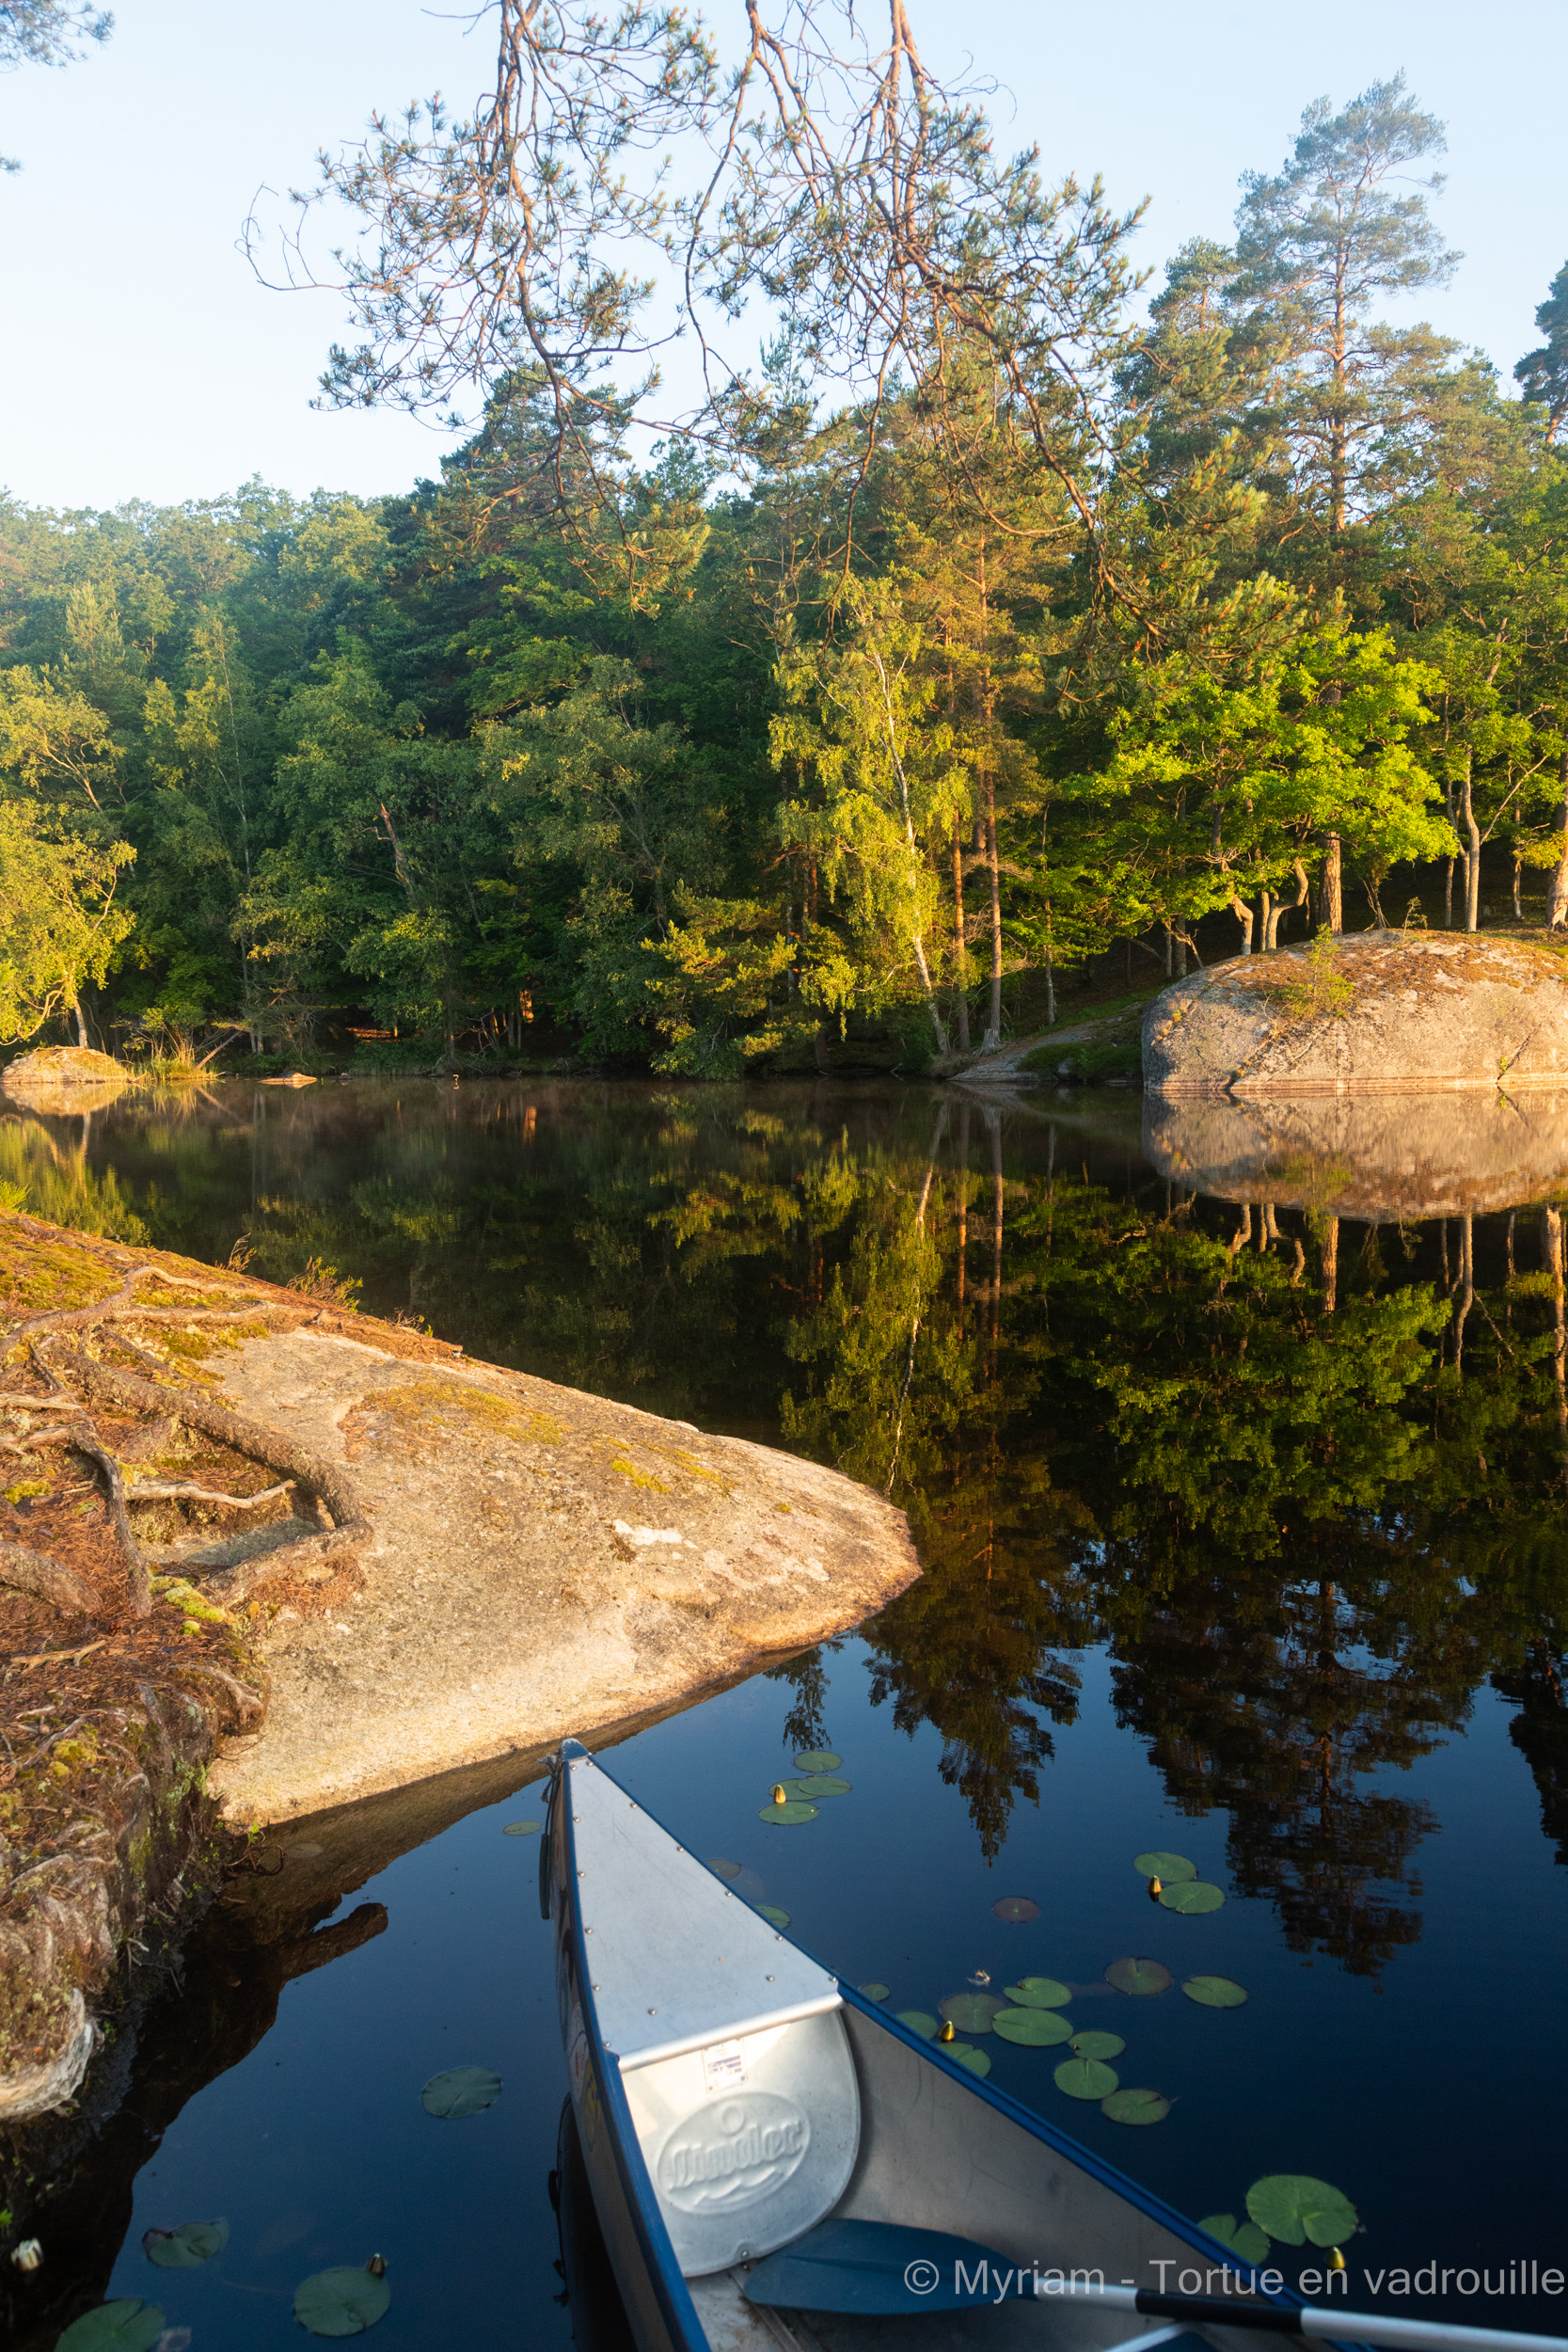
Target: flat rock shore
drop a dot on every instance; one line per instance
(262, 1557)
(537, 1561)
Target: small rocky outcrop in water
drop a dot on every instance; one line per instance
(220, 1486)
(64, 1078)
(1381, 1012)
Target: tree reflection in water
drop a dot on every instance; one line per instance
(1306, 1477)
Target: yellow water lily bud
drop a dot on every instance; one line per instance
(948, 2033)
(1336, 2260)
(778, 1792)
(1155, 1888)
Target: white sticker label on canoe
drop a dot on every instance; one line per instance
(723, 2066)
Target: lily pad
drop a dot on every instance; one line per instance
(874, 1992)
(1292, 2207)
(1137, 1976)
(126, 2325)
(1016, 1909)
(1033, 2028)
(919, 2020)
(1136, 2107)
(184, 2249)
(722, 1867)
(341, 2303)
(1191, 1895)
(786, 1815)
(1039, 1993)
(965, 2054)
(461, 2090)
(819, 1785)
(1169, 1866)
(1086, 2078)
(1245, 2239)
(774, 1917)
(1215, 1992)
(519, 1829)
(1097, 2045)
(818, 1761)
(972, 2012)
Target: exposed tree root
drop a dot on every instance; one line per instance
(137, 1571)
(75, 1381)
(254, 1439)
(49, 1580)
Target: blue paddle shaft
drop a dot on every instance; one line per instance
(881, 2268)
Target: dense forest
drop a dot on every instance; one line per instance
(1201, 624)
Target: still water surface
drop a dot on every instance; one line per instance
(1244, 1536)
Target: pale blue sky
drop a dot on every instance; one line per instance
(141, 359)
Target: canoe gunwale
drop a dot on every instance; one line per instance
(671, 2295)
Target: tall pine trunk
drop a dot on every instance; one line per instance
(961, 958)
(1333, 885)
(1557, 902)
(993, 1027)
(1472, 855)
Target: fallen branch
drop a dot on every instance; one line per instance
(138, 1492)
(61, 1657)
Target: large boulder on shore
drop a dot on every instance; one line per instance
(1383, 1012)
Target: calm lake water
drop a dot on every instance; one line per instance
(1245, 1534)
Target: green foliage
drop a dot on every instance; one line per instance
(60, 925)
(699, 771)
(1543, 374)
(1321, 989)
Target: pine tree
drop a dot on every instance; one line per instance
(1544, 373)
(1318, 243)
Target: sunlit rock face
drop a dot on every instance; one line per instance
(1385, 1157)
(1384, 1013)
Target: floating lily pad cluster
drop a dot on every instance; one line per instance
(1031, 2014)
(794, 1801)
(1292, 2207)
(342, 2302)
(1173, 1881)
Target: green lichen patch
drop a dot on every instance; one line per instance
(624, 1469)
(416, 1416)
(39, 1278)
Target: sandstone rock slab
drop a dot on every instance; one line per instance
(540, 1562)
(1391, 1014)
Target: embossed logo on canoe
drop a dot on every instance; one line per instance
(733, 2153)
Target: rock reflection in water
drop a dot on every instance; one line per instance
(1396, 1157)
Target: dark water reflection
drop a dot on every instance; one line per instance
(1244, 1529)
